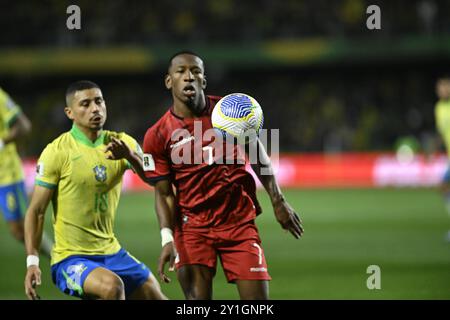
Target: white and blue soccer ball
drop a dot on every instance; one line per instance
(238, 115)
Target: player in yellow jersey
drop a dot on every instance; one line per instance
(81, 173)
(14, 124)
(442, 117)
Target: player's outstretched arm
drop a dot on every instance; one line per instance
(165, 209)
(284, 213)
(34, 226)
(118, 149)
(19, 128)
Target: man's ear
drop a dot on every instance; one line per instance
(68, 113)
(204, 82)
(168, 81)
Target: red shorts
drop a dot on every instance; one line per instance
(239, 249)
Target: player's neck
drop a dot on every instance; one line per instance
(92, 135)
(182, 110)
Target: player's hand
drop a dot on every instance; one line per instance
(288, 218)
(32, 279)
(117, 149)
(168, 254)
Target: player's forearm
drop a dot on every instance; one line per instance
(19, 129)
(13, 135)
(269, 182)
(136, 162)
(165, 206)
(264, 171)
(33, 227)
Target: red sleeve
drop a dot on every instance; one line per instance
(155, 162)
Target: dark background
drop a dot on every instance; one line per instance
(321, 76)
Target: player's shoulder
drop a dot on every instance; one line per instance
(441, 106)
(3, 94)
(5, 101)
(167, 117)
(118, 135)
(114, 134)
(59, 145)
(160, 127)
(60, 142)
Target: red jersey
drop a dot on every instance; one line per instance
(208, 194)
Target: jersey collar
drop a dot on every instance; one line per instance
(81, 137)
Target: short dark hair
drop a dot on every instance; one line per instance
(78, 86)
(192, 53)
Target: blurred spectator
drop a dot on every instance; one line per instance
(329, 108)
(315, 111)
(427, 10)
(123, 22)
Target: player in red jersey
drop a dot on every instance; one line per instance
(213, 209)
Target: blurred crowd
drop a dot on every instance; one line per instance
(329, 110)
(121, 22)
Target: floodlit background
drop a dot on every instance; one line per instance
(359, 155)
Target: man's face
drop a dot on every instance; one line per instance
(87, 109)
(443, 89)
(186, 79)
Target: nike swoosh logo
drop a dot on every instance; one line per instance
(76, 158)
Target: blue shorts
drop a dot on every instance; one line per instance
(446, 178)
(13, 201)
(69, 274)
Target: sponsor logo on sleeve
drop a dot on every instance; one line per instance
(40, 169)
(148, 162)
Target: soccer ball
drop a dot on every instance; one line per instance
(239, 116)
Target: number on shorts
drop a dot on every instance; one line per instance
(259, 252)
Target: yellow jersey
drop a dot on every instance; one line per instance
(87, 190)
(442, 116)
(10, 165)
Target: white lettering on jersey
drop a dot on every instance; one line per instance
(181, 142)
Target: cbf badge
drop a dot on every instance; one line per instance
(100, 173)
(40, 169)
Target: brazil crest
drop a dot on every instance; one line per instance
(100, 173)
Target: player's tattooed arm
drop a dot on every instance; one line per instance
(284, 213)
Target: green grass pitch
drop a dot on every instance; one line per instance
(400, 230)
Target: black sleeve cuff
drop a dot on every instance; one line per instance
(154, 180)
